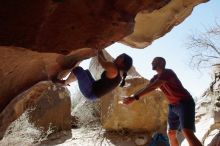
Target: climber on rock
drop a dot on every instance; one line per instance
(181, 104)
(114, 74)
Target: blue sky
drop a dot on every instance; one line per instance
(172, 48)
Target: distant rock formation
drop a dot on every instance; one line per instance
(215, 86)
(208, 112)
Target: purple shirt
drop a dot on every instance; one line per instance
(172, 87)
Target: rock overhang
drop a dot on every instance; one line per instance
(62, 26)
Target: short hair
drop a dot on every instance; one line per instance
(161, 60)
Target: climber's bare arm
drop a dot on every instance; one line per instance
(110, 68)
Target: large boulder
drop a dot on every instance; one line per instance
(21, 68)
(147, 114)
(48, 104)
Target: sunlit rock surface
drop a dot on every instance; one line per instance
(147, 114)
(152, 25)
(215, 86)
(20, 69)
(207, 112)
(48, 104)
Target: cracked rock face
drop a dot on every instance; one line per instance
(33, 33)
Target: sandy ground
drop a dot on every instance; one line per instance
(94, 137)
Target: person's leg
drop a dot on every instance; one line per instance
(85, 82)
(187, 122)
(59, 78)
(191, 138)
(173, 125)
(172, 138)
(70, 78)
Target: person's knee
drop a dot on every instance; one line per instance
(191, 138)
(78, 71)
(78, 68)
(188, 133)
(171, 133)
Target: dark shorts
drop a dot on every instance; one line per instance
(85, 82)
(182, 115)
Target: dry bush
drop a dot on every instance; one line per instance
(22, 132)
(88, 113)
